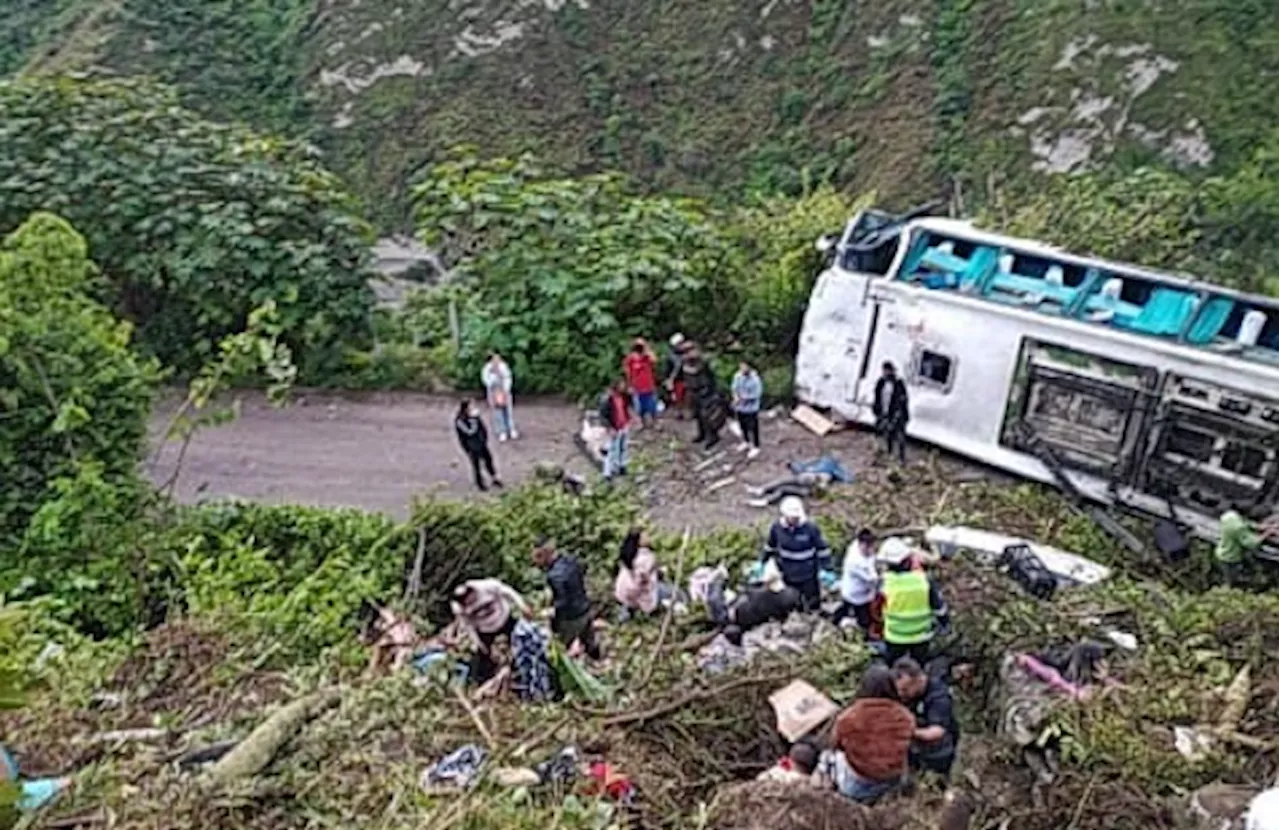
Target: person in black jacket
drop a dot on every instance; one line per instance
(709, 407)
(890, 408)
(572, 619)
(474, 439)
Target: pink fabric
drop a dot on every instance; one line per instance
(638, 588)
(1052, 677)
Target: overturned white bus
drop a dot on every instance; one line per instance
(1133, 387)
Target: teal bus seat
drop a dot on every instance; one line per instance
(1212, 317)
(1165, 313)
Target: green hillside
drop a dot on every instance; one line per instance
(911, 98)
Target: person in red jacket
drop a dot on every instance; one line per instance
(615, 412)
(640, 368)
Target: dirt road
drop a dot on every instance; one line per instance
(377, 451)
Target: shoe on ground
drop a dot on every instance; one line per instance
(482, 487)
(743, 446)
(497, 483)
(758, 502)
(514, 435)
(502, 439)
(752, 453)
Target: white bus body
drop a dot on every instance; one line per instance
(1152, 391)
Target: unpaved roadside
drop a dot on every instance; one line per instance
(378, 451)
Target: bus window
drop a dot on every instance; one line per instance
(934, 369)
(1139, 305)
(1035, 282)
(1228, 325)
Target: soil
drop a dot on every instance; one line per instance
(378, 451)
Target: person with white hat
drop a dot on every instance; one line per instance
(801, 552)
(913, 606)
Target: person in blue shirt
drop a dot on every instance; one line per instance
(801, 552)
(747, 391)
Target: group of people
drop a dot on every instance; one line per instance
(902, 721)
(684, 382)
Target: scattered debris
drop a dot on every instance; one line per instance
(121, 736)
(1192, 743)
(1124, 639)
(707, 462)
(812, 420)
(1071, 567)
(801, 709)
(719, 485)
(459, 770)
(253, 753)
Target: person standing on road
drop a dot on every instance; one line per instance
(640, 367)
(474, 439)
(672, 374)
(572, 619)
(890, 408)
(615, 412)
(802, 554)
(747, 391)
(496, 377)
(708, 406)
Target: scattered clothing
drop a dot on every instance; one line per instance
(605, 779)
(34, 793)
(794, 636)
(532, 676)
(636, 587)
(459, 770)
(561, 768)
(785, 772)
(801, 485)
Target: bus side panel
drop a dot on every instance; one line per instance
(957, 364)
(833, 338)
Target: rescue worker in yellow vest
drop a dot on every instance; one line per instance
(914, 609)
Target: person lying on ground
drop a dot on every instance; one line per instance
(637, 587)
(914, 610)
(771, 601)
(800, 485)
(798, 766)
(572, 619)
(800, 551)
(486, 609)
(859, 581)
(872, 739)
(937, 734)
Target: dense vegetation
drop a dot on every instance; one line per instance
(193, 223)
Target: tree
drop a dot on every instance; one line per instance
(73, 395)
(193, 223)
(565, 271)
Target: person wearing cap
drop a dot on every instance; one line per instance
(640, 368)
(914, 609)
(672, 376)
(801, 552)
(485, 609)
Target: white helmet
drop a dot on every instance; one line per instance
(676, 340)
(1264, 811)
(893, 551)
(792, 508)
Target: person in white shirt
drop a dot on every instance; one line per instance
(859, 581)
(496, 377)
